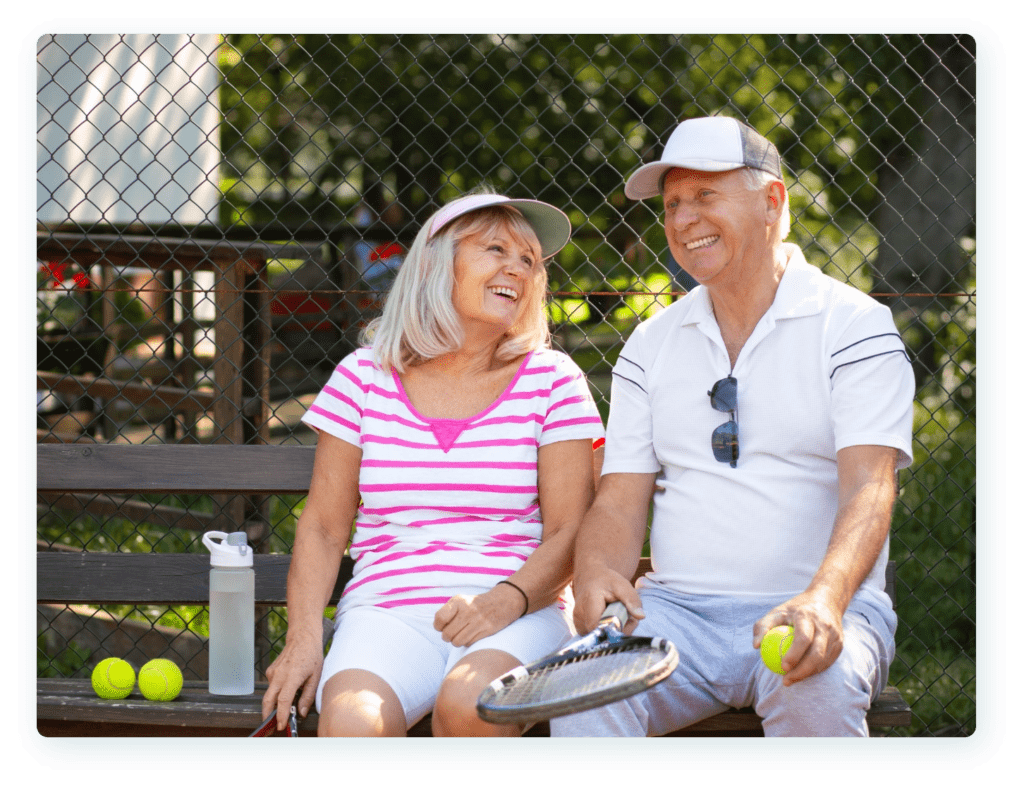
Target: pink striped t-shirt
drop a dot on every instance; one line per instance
(447, 506)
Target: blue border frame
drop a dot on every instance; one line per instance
(570, 754)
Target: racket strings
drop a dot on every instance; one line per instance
(584, 675)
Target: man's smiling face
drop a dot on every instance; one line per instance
(715, 224)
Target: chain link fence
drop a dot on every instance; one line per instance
(219, 215)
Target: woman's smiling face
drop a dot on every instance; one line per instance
(496, 274)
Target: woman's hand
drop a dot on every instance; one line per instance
(297, 667)
(463, 619)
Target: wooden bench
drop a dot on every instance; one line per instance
(80, 477)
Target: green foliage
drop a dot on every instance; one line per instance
(53, 661)
(934, 525)
(313, 123)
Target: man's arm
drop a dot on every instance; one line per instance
(608, 548)
(867, 491)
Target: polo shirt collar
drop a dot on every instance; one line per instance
(797, 295)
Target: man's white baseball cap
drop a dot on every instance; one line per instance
(551, 225)
(714, 144)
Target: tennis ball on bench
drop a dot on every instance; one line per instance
(113, 678)
(160, 679)
(774, 646)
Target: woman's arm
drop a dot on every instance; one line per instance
(321, 536)
(565, 480)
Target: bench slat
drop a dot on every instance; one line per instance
(153, 578)
(174, 468)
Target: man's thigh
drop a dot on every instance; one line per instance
(834, 702)
(704, 632)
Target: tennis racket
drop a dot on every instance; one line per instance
(598, 668)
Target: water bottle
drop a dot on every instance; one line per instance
(232, 614)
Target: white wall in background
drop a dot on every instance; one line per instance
(127, 128)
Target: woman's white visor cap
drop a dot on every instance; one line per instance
(707, 145)
(551, 225)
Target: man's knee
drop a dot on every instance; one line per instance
(834, 702)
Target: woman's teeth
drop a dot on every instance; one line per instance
(506, 292)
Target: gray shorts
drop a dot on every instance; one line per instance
(719, 668)
(405, 650)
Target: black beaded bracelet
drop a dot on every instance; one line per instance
(526, 599)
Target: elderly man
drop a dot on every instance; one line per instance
(779, 515)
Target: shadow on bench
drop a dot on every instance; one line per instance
(74, 477)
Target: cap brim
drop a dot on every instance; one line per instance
(646, 181)
(551, 226)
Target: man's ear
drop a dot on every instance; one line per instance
(776, 198)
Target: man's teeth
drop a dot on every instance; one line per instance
(505, 291)
(701, 242)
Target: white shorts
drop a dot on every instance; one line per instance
(405, 650)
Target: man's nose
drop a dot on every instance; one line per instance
(684, 216)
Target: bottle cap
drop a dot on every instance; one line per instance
(229, 549)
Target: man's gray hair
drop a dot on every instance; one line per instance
(759, 179)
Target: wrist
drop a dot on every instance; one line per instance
(518, 592)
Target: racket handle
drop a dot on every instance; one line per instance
(618, 611)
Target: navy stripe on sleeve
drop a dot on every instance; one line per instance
(623, 358)
(629, 380)
(876, 336)
(887, 352)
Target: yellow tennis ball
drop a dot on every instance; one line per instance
(160, 679)
(113, 678)
(774, 646)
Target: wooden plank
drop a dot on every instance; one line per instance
(170, 397)
(184, 468)
(153, 578)
(136, 511)
(161, 252)
(73, 701)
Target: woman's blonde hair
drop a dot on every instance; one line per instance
(419, 321)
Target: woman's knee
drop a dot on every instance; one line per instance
(455, 708)
(359, 703)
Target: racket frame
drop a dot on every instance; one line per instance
(607, 634)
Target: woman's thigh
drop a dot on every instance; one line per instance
(401, 651)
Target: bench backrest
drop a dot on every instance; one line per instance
(69, 577)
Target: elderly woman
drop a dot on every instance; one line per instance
(460, 444)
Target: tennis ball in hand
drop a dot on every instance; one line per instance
(774, 646)
(113, 678)
(160, 679)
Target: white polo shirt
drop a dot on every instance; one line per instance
(825, 368)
